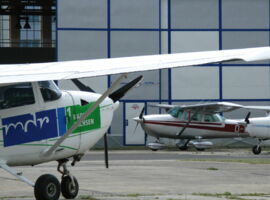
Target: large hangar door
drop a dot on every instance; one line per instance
(133, 110)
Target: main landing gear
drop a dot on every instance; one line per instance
(47, 186)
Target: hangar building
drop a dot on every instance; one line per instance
(90, 29)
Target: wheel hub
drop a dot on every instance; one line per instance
(51, 189)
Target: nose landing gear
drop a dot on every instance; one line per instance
(257, 149)
(47, 186)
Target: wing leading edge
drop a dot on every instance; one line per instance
(213, 107)
(16, 73)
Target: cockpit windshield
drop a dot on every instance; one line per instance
(49, 90)
(176, 112)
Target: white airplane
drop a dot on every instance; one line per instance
(192, 123)
(40, 123)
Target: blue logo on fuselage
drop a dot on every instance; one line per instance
(30, 127)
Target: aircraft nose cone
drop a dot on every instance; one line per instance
(116, 105)
(137, 119)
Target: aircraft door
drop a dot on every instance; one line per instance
(133, 110)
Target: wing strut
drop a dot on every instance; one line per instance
(49, 151)
(186, 125)
(18, 175)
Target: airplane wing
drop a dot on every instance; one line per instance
(16, 73)
(165, 106)
(262, 108)
(216, 107)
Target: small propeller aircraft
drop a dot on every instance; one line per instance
(192, 123)
(40, 123)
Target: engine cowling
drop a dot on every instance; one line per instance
(259, 128)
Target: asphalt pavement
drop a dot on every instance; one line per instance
(163, 175)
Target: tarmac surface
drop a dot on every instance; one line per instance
(162, 175)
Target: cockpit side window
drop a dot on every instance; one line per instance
(49, 90)
(211, 118)
(16, 95)
(196, 117)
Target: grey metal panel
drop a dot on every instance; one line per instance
(148, 90)
(195, 83)
(87, 45)
(164, 14)
(164, 84)
(82, 14)
(117, 123)
(244, 39)
(246, 82)
(194, 14)
(164, 42)
(132, 43)
(245, 14)
(188, 41)
(134, 14)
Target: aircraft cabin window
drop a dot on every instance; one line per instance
(16, 95)
(49, 90)
(196, 117)
(211, 118)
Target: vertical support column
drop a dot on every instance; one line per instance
(169, 51)
(46, 29)
(220, 48)
(14, 33)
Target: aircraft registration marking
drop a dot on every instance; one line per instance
(47, 124)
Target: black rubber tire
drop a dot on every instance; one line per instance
(69, 191)
(256, 150)
(47, 187)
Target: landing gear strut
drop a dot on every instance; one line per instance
(184, 147)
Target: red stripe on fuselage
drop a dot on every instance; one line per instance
(200, 125)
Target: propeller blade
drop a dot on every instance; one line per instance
(247, 118)
(141, 114)
(106, 156)
(138, 121)
(81, 86)
(118, 94)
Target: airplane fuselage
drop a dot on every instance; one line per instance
(28, 130)
(167, 126)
